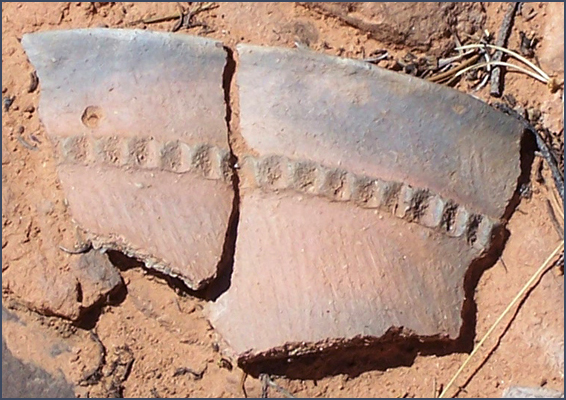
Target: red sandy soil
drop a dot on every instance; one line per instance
(163, 329)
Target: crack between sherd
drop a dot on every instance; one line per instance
(221, 282)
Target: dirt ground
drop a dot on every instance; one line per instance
(151, 339)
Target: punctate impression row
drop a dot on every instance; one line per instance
(174, 156)
(418, 205)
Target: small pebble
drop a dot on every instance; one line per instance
(8, 101)
(34, 138)
(533, 114)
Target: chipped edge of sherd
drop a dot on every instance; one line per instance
(150, 262)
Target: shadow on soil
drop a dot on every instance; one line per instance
(89, 317)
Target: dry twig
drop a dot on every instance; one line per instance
(243, 384)
(24, 143)
(543, 148)
(185, 370)
(501, 64)
(508, 52)
(501, 41)
(83, 248)
(266, 382)
(451, 73)
(181, 15)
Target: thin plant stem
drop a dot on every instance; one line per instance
(544, 266)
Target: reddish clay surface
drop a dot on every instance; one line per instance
(337, 271)
(389, 144)
(175, 222)
(139, 120)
